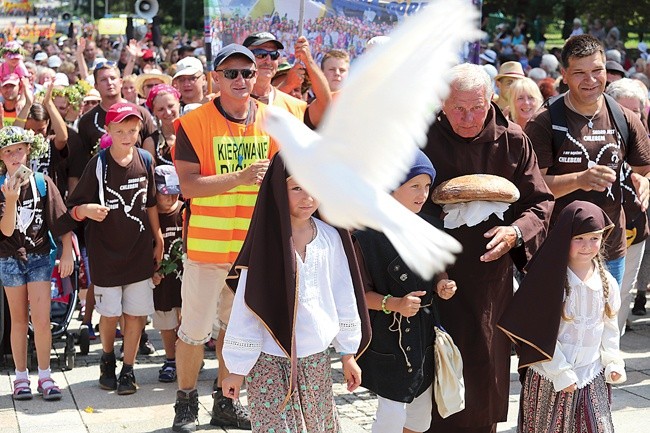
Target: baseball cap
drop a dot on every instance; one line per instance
(489, 56)
(256, 39)
(231, 50)
(120, 111)
(40, 56)
(612, 66)
(148, 54)
(167, 180)
(54, 61)
(62, 39)
(188, 66)
(61, 79)
(92, 95)
(11, 79)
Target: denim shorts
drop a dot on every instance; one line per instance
(14, 272)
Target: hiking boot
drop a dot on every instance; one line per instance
(167, 373)
(107, 378)
(229, 413)
(639, 306)
(186, 411)
(126, 383)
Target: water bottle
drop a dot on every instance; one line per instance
(54, 289)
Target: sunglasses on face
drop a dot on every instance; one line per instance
(231, 74)
(261, 54)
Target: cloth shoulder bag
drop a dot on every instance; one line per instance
(448, 383)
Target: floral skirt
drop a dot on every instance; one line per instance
(311, 408)
(586, 410)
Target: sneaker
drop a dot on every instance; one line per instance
(107, 378)
(91, 331)
(118, 334)
(639, 306)
(49, 390)
(22, 391)
(229, 413)
(146, 348)
(167, 373)
(186, 411)
(126, 384)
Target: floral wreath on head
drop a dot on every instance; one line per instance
(73, 94)
(10, 135)
(13, 47)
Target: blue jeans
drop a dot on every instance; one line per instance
(616, 267)
(15, 273)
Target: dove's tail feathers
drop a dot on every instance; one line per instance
(425, 249)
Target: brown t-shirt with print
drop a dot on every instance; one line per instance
(167, 294)
(120, 248)
(584, 147)
(37, 216)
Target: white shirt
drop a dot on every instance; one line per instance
(590, 341)
(326, 313)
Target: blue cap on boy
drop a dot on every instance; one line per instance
(421, 165)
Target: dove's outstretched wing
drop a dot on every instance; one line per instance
(391, 95)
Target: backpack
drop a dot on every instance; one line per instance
(100, 169)
(557, 111)
(41, 187)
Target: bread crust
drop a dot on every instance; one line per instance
(475, 187)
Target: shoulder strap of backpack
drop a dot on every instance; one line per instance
(557, 111)
(99, 172)
(619, 118)
(41, 186)
(146, 158)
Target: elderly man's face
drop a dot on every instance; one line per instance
(466, 111)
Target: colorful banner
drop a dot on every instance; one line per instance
(13, 6)
(328, 24)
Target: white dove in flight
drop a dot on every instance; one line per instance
(367, 140)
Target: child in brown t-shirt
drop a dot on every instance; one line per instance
(116, 194)
(167, 294)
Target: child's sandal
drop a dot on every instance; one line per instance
(49, 389)
(22, 391)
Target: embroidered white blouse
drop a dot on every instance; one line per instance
(589, 342)
(326, 313)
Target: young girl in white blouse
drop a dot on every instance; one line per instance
(565, 323)
(298, 290)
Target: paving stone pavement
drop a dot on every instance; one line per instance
(87, 409)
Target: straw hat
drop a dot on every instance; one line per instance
(510, 70)
(152, 74)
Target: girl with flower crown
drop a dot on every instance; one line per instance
(25, 267)
(13, 55)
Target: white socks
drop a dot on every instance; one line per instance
(43, 374)
(22, 375)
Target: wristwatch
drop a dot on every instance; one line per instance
(520, 237)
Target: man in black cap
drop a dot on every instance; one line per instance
(266, 49)
(222, 155)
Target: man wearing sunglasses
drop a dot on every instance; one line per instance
(266, 49)
(221, 157)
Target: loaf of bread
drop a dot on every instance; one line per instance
(475, 187)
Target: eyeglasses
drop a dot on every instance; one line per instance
(260, 53)
(231, 74)
(188, 79)
(91, 102)
(107, 64)
(151, 59)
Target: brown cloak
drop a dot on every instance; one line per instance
(269, 255)
(484, 289)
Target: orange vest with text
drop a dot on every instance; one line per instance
(218, 224)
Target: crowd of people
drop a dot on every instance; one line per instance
(168, 180)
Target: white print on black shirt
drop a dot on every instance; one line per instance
(130, 184)
(575, 157)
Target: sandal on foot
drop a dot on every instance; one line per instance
(49, 389)
(22, 391)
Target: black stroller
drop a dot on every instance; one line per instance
(64, 298)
